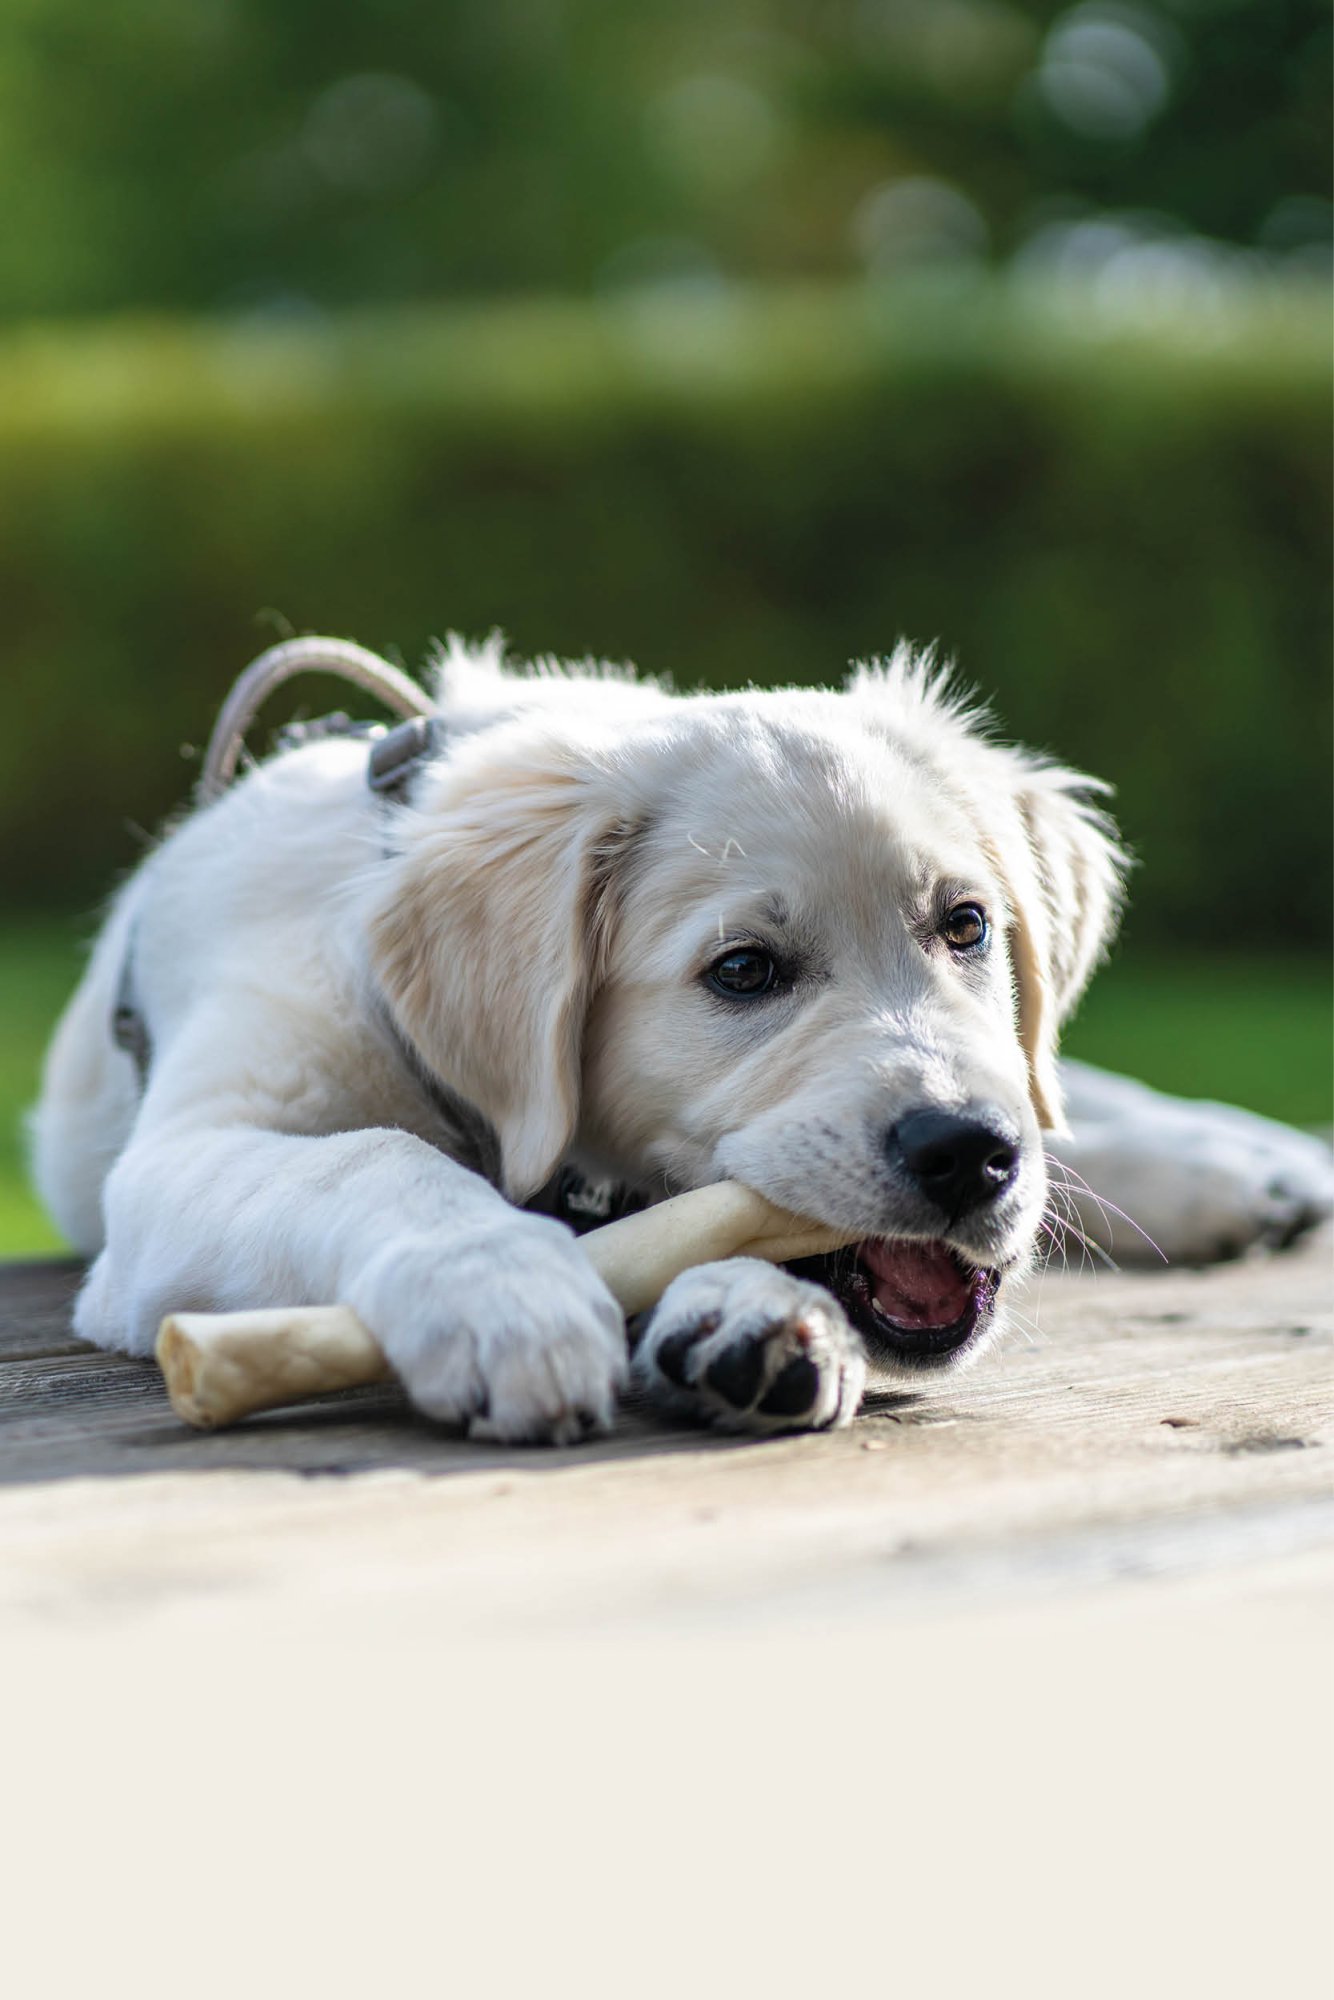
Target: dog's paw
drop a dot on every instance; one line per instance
(746, 1346)
(1204, 1182)
(509, 1332)
(1281, 1190)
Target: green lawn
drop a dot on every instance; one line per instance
(1257, 1031)
(1254, 1031)
(39, 964)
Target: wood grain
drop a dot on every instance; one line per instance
(1143, 1426)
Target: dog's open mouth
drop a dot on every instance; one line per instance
(918, 1302)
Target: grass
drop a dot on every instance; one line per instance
(41, 959)
(1254, 1030)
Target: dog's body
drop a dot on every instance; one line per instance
(821, 943)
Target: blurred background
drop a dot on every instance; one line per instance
(735, 337)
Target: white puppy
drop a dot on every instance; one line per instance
(822, 943)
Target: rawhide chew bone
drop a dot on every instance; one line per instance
(220, 1367)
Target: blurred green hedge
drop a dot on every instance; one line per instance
(1120, 529)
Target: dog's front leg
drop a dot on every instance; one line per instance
(493, 1318)
(746, 1346)
(1144, 1173)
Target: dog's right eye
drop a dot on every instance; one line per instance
(743, 975)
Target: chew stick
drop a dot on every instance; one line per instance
(220, 1367)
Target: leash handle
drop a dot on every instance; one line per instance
(284, 662)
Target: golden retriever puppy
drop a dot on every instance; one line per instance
(819, 942)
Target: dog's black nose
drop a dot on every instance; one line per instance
(958, 1161)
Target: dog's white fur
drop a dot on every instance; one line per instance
(533, 931)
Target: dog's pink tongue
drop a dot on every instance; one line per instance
(916, 1284)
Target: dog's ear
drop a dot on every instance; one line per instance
(1064, 871)
(491, 936)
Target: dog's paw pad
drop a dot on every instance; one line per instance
(673, 1353)
(737, 1374)
(794, 1391)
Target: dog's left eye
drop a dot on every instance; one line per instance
(966, 927)
(743, 975)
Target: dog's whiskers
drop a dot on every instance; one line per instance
(1050, 1231)
(1060, 1226)
(1034, 1335)
(1059, 1191)
(1068, 1225)
(1074, 1183)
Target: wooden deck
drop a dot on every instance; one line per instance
(1142, 1426)
(1019, 1686)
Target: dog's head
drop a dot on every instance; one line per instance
(821, 943)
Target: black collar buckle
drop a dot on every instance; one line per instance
(399, 754)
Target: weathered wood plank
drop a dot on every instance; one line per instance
(35, 1299)
(1233, 1355)
(1057, 1624)
(1149, 1426)
(68, 1410)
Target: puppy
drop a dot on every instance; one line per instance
(822, 943)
